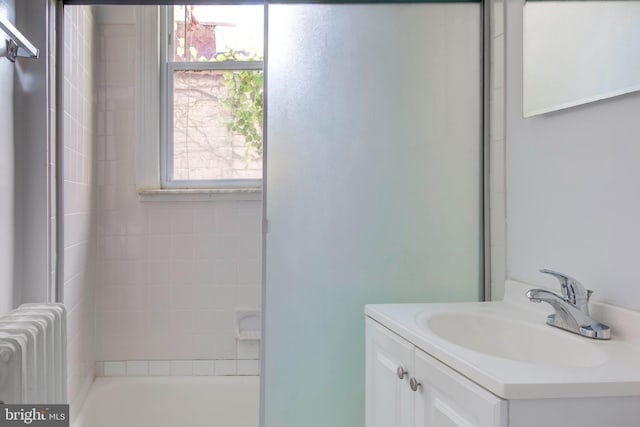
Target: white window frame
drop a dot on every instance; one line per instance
(154, 107)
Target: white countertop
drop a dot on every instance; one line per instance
(617, 375)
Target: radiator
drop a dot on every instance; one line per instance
(33, 354)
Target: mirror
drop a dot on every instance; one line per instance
(575, 52)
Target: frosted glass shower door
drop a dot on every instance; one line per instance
(373, 187)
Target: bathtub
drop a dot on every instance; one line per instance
(213, 401)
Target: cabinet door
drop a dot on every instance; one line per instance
(388, 398)
(447, 399)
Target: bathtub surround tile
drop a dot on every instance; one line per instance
(203, 367)
(182, 297)
(139, 346)
(135, 219)
(158, 221)
(182, 220)
(80, 214)
(159, 273)
(182, 246)
(159, 346)
(158, 247)
(99, 369)
(249, 271)
(227, 220)
(219, 246)
(160, 319)
(115, 369)
(136, 325)
(250, 246)
(182, 321)
(180, 346)
(248, 349)
(205, 219)
(114, 273)
(137, 367)
(205, 297)
(225, 367)
(159, 367)
(192, 272)
(159, 298)
(225, 347)
(224, 297)
(182, 367)
(197, 367)
(136, 273)
(249, 218)
(248, 367)
(136, 298)
(136, 247)
(248, 296)
(176, 271)
(204, 346)
(225, 272)
(212, 321)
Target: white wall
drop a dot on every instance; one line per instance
(170, 274)
(79, 192)
(8, 299)
(573, 201)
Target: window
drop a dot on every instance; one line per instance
(211, 80)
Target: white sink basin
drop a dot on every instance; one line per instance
(515, 340)
(507, 348)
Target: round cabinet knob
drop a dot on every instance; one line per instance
(414, 384)
(401, 372)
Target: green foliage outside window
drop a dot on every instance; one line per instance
(244, 100)
(244, 97)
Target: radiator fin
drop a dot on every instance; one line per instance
(33, 355)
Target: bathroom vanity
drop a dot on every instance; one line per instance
(498, 364)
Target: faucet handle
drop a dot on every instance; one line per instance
(572, 290)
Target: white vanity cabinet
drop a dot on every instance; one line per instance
(389, 362)
(498, 364)
(405, 387)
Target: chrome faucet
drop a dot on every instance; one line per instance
(571, 308)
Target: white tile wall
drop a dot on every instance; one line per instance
(137, 367)
(79, 211)
(159, 367)
(203, 367)
(170, 274)
(115, 369)
(182, 367)
(199, 367)
(497, 166)
(248, 367)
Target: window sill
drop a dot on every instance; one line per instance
(199, 194)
